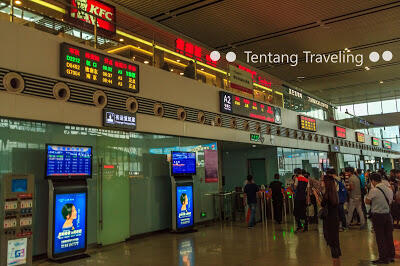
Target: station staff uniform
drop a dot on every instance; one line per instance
(382, 220)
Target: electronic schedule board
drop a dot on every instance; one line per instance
(375, 141)
(386, 144)
(183, 163)
(340, 132)
(68, 161)
(307, 123)
(84, 65)
(360, 137)
(237, 105)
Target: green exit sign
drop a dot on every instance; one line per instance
(255, 138)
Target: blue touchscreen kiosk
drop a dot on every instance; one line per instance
(67, 168)
(183, 167)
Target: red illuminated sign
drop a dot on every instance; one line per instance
(256, 77)
(82, 10)
(387, 144)
(340, 132)
(375, 141)
(193, 51)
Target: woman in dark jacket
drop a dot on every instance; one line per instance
(330, 200)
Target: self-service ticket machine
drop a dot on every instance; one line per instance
(17, 197)
(183, 167)
(67, 169)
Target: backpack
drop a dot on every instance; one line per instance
(342, 192)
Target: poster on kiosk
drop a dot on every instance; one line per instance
(67, 168)
(183, 167)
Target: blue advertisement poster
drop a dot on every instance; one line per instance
(69, 222)
(184, 206)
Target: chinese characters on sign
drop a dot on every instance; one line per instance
(256, 77)
(340, 132)
(119, 119)
(237, 105)
(387, 144)
(81, 64)
(375, 141)
(307, 123)
(193, 51)
(360, 137)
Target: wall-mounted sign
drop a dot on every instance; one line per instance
(387, 144)
(84, 65)
(16, 251)
(334, 148)
(211, 166)
(307, 123)
(375, 141)
(256, 138)
(256, 77)
(307, 97)
(340, 132)
(86, 11)
(119, 119)
(237, 105)
(240, 79)
(360, 137)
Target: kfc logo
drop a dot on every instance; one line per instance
(82, 10)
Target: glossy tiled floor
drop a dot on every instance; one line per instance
(234, 244)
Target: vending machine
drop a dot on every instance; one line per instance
(183, 167)
(67, 170)
(17, 211)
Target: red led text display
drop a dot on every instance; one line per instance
(387, 144)
(256, 77)
(340, 132)
(307, 123)
(193, 51)
(86, 12)
(84, 65)
(237, 105)
(360, 137)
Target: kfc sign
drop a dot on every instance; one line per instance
(82, 10)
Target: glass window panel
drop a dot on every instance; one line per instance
(374, 108)
(348, 108)
(360, 109)
(389, 106)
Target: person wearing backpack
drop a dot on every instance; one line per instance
(380, 198)
(342, 193)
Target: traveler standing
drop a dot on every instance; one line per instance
(380, 197)
(301, 199)
(277, 198)
(330, 201)
(250, 190)
(342, 195)
(355, 197)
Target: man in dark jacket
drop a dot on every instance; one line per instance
(277, 198)
(301, 199)
(250, 190)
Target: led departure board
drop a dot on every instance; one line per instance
(68, 161)
(375, 141)
(307, 123)
(340, 132)
(387, 144)
(360, 137)
(237, 105)
(84, 65)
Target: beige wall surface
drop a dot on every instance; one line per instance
(31, 51)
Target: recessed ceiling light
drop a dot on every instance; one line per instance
(254, 145)
(202, 69)
(300, 77)
(381, 81)
(138, 47)
(177, 60)
(133, 58)
(18, 2)
(121, 40)
(172, 69)
(146, 62)
(367, 68)
(181, 73)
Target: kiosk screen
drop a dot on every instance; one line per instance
(183, 163)
(69, 223)
(68, 161)
(19, 185)
(184, 206)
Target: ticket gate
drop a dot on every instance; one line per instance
(17, 210)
